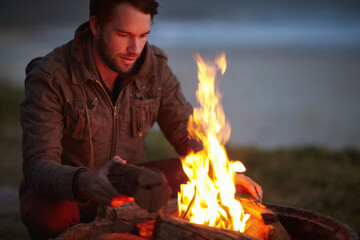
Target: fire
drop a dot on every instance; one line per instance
(209, 196)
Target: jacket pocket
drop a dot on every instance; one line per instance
(76, 124)
(143, 114)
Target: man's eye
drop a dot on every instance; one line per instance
(121, 35)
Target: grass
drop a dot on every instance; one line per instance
(317, 179)
(313, 178)
(11, 226)
(10, 134)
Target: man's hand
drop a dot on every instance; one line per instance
(246, 185)
(97, 185)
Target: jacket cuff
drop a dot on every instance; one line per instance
(81, 199)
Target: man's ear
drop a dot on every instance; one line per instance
(94, 25)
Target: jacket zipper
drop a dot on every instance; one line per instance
(113, 140)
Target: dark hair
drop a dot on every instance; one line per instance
(104, 9)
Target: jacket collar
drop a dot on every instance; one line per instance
(80, 63)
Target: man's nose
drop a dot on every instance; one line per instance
(134, 46)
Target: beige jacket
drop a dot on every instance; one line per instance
(69, 122)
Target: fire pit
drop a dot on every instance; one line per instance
(138, 224)
(305, 224)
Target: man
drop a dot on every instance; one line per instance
(89, 104)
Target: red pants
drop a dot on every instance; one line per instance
(47, 217)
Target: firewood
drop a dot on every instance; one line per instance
(118, 236)
(263, 222)
(147, 186)
(173, 171)
(122, 219)
(87, 231)
(172, 228)
(131, 212)
(256, 209)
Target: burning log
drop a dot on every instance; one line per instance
(172, 228)
(263, 224)
(148, 186)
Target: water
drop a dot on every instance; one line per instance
(275, 33)
(287, 84)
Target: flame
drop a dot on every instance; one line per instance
(209, 196)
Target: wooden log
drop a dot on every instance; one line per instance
(143, 220)
(118, 236)
(87, 231)
(173, 171)
(172, 228)
(262, 224)
(147, 186)
(132, 212)
(122, 219)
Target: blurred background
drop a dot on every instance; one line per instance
(290, 93)
(293, 68)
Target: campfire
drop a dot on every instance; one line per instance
(209, 197)
(208, 207)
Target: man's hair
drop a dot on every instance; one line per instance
(104, 9)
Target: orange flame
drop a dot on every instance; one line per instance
(209, 196)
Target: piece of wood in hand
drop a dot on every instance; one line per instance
(147, 186)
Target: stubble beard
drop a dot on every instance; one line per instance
(110, 60)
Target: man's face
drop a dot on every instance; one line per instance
(121, 40)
